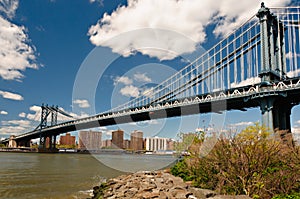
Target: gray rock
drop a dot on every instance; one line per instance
(231, 197)
(202, 193)
(156, 184)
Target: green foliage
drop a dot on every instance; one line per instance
(187, 139)
(251, 163)
(98, 191)
(2, 146)
(60, 146)
(291, 196)
(34, 146)
(181, 170)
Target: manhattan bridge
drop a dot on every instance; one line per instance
(257, 65)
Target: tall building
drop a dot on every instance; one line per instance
(136, 141)
(90, 140)
(117, 139)
(126, 144)
(106, 144)
(156, 144)
(67, 139)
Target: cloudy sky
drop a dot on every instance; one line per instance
(90, 55)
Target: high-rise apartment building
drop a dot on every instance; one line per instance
(126, 144)
(117, 139)
(67, 139)
(106, 144)
(90, 140)
(136, 141)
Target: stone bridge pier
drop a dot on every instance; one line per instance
(13, 143)
(276, 115)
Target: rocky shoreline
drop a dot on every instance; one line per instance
(153, 184)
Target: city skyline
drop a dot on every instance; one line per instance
(58, 46)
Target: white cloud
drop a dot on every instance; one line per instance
(9, 7)
(23, 123)
(148, 92)
(35, 108)
(22, 114)
(239, 124)
(166, 29)
(124, 80)
(246, 82)
(291, 55)
(3, 112)
(12, 130)
(16, 54)
(74, 115)
(141, 77)
(15, 127)
(130, 91)
(100, 2)
(82, 103)
(294, 73)
(36, 116)
(9, 95)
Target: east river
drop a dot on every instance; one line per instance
(63, 176)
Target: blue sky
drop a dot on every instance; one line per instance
(89, 55)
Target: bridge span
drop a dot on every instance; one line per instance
(257, 65)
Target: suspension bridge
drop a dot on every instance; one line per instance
(257, 65)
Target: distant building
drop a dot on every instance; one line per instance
(296, 137)
(117, 139)
(136, 141)
(90, 140)
(156, 144)
(106, 144)
(12, 142)
(126, 144)
(67, 139)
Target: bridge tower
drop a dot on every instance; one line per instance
(49, 111)
(275, 109)
(46, 111)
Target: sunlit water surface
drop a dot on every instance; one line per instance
(61, 176)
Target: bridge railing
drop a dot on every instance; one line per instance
(233, 62)
(227, 64)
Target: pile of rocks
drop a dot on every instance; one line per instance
(158, 184)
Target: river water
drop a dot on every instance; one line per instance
(63, 176)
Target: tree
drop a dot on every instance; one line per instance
(185, 140)
(252, 162)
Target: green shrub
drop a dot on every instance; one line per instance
(291, 196)
(251, 163)
(181, 170)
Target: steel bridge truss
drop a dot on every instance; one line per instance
(49, 139)
(258, 62)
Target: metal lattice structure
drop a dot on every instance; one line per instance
(49, 111)
(257, 65)
(256, 49)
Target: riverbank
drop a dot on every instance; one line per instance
(153, 184)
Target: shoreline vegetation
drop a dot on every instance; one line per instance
(251, 164)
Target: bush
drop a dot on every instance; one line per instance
(181, 169)
(291, 196)
(251, 163)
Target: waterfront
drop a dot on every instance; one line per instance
(58, 176)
